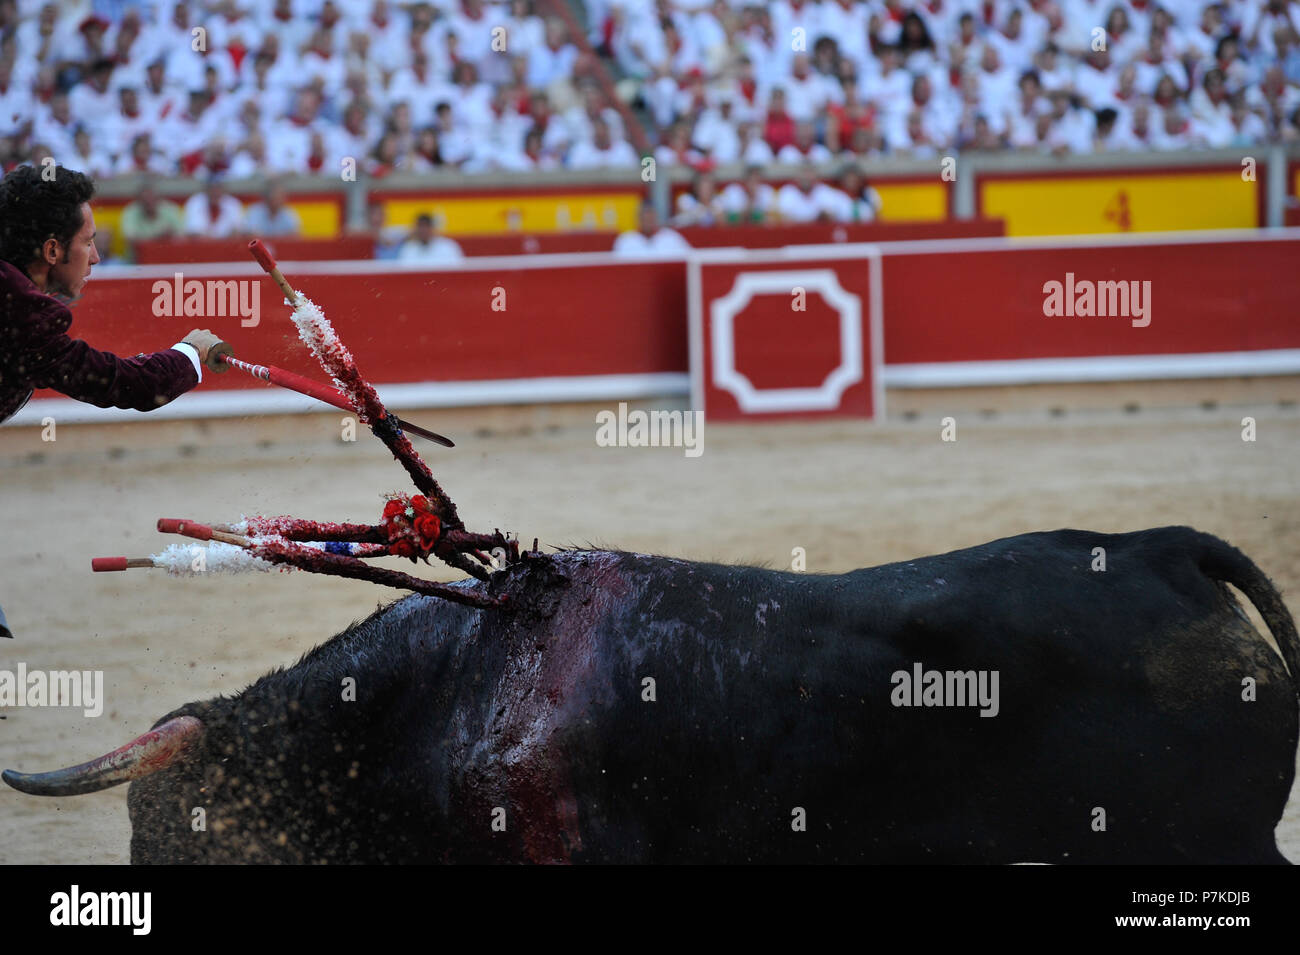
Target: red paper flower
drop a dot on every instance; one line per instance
(393, 508)
(421, 503)
(429, 527)
(403, 548)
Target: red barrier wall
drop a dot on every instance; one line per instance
(409, 326)
(979, 306)
(969, 301)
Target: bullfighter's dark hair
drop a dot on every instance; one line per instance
(33, 209)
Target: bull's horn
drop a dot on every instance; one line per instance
(146, 754)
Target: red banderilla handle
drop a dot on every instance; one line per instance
(331, 396)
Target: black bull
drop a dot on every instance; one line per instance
(635, 708)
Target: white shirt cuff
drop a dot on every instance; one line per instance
(192, 353)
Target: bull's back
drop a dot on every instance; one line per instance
(700, 712)
(634, 708)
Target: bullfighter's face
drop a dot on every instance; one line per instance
(71, 265)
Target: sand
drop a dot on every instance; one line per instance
(851, 494)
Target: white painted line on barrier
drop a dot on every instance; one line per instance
(252, 402)
(695, 333)
(1028, 371)
(439, 394)
(862, 250)
(839, 250)
(876, 330)
(480, 263)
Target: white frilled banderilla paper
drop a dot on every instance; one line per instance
(182, 560)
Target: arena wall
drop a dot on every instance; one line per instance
(597, 327)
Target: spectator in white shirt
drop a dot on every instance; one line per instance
(186, 133)
(1248, 127)
(1172, 129)
(290, 138)
(273, 216)
(473, 28)
(284, 20)
(754, 150)
(845, 21)
(250, 159)
(1109, 136)
(1022, 120)
(806, 92)
(16, 108)
(1015, 45)
(553, 60)
(321, 60)
(213, 213)
(426, 247)
(915, 140)
(1072, 127)
(807, 200)
(649, 238)
(1095, 80)
(142, 157)
(602, 152)
(701, 205)
(1155, 63)
(860, 203)
(387, 35)
(532, 156)
(55, 126)
(125, 122)
(525, 31)
(93, 101)
(553, 130)
(1054, 71)
(676, 149)
(715, 132)
(1123, 42)
(751, 200)
(455, 143)
(86, 157)
(805, 147)
(997, 83)
(417, 85)
(891, 89)
(580, 117)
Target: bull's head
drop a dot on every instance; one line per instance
(145, 755)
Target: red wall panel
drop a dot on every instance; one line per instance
(973, 306)
(580, 317)
(424, 326)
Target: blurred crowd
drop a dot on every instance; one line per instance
(307, 87)
(238, 88)
(797, 79)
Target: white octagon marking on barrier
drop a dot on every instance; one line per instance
(825, 397)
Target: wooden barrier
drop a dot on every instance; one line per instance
(593, 326)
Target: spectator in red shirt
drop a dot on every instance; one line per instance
(844, 119)
(778, 128)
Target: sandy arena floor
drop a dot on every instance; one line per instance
(851, 494)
